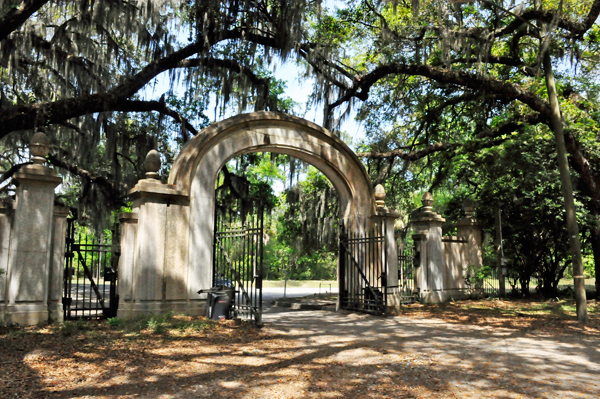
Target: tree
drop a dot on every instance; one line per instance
(487, 57)
(79, 70)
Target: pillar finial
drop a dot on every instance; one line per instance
(468, 206)
(152, 164)
(39, 147)
(379, 196)
(427, 201)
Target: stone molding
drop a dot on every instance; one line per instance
(155, 191)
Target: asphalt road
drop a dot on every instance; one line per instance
(270, 294)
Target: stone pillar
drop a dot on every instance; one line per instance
(6, 212)
(31, 238)
(55, 286)
(470, 229)
(387, 219)
(155, 279)
(127, 259)
(430, 273)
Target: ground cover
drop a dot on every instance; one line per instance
(484, 348)
(534, 314)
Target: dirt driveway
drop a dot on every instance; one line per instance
(304, 354)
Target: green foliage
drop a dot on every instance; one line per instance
(167, 323)
(521, 178)
(72, 327)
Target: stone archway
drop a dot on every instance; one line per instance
(167, 240)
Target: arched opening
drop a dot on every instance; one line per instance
(293, 210)
(172, 239)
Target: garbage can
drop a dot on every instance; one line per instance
(219, 303)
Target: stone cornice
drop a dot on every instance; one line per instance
(152, 190)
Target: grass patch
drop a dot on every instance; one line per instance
(167, 323)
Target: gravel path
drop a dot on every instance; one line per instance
(461, 360)
(309, 354)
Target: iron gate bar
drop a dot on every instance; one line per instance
(76, 247)
(86, 256)
(236, 273)
(237, 254)
(368, 250)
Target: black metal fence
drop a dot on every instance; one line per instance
(406, 276)
(90, 275)
(363, 278)
(485, 281)
(238, 261)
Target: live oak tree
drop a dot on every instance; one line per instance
(79, 71)
(489, 64)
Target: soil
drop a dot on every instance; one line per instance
(478, 350)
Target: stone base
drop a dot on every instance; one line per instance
(27, 314)
(443, 296)
(131, 310)
(56, 312)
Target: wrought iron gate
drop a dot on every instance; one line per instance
(238, 257)
(363, 274)
(90, 275)
(406, 276)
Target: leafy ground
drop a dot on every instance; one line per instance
(534, 314)
(486, 348)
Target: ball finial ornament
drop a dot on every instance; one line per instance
(427, 201)
(39, 148)
(152, 164)
(379, 195)
(469, 207)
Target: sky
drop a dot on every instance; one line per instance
(297, 89)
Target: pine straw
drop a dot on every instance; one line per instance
(533, 314)
(184, 357)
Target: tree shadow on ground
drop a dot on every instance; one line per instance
(309, 354)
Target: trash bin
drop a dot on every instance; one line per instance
(219, 303)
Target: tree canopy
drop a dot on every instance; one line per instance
(435, 84)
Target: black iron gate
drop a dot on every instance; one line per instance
(406, 276)
(238, 257)
(363, 274)
(90, 275)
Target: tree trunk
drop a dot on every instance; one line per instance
(567, 189)
(595, 241)
(499, 266)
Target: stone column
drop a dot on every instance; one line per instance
(6, 212)
(470, 229)
(427, 227)
(127, 259)
(387, 219)
(55, 286)
(156, 280)
(31, 238)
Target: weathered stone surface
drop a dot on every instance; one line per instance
(149, 273)
(55, 281)
(31, 245)
(430, 275)
(174, 237)
(127, 258)
(178, 225)
(5, 227)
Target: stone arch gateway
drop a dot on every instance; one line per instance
(166, 242)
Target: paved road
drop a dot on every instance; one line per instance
(270, 294)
